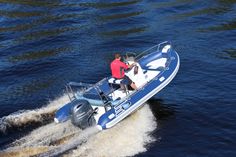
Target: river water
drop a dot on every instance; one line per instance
(45, 44)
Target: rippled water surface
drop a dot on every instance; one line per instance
(45, 44)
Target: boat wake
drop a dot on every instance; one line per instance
(53, 139)
(24, 117)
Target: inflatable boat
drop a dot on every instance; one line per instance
(105, 103)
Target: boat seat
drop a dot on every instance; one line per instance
(157, 63)
(104, 89)
(113, 80)
(156, 60)
(149, 58)
(166, 49)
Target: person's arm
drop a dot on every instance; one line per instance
(125, 66)
(132, 65)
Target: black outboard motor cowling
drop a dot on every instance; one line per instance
(82, 114)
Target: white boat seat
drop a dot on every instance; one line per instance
(154, 68)
(113, 80)
(157, 63)
(165, 49)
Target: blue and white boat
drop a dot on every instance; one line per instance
(105, 103)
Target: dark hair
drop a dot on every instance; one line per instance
(117, 55)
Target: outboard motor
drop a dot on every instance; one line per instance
(82, 114)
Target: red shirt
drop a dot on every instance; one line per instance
(117, 68)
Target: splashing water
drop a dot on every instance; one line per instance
(24, 117)
(77, 140)
(127, 138)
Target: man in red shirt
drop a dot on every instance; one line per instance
(117, 70)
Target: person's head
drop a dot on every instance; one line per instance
(117, 56)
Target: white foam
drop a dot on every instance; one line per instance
(127, 138)
(45, 135)
(21, 118)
